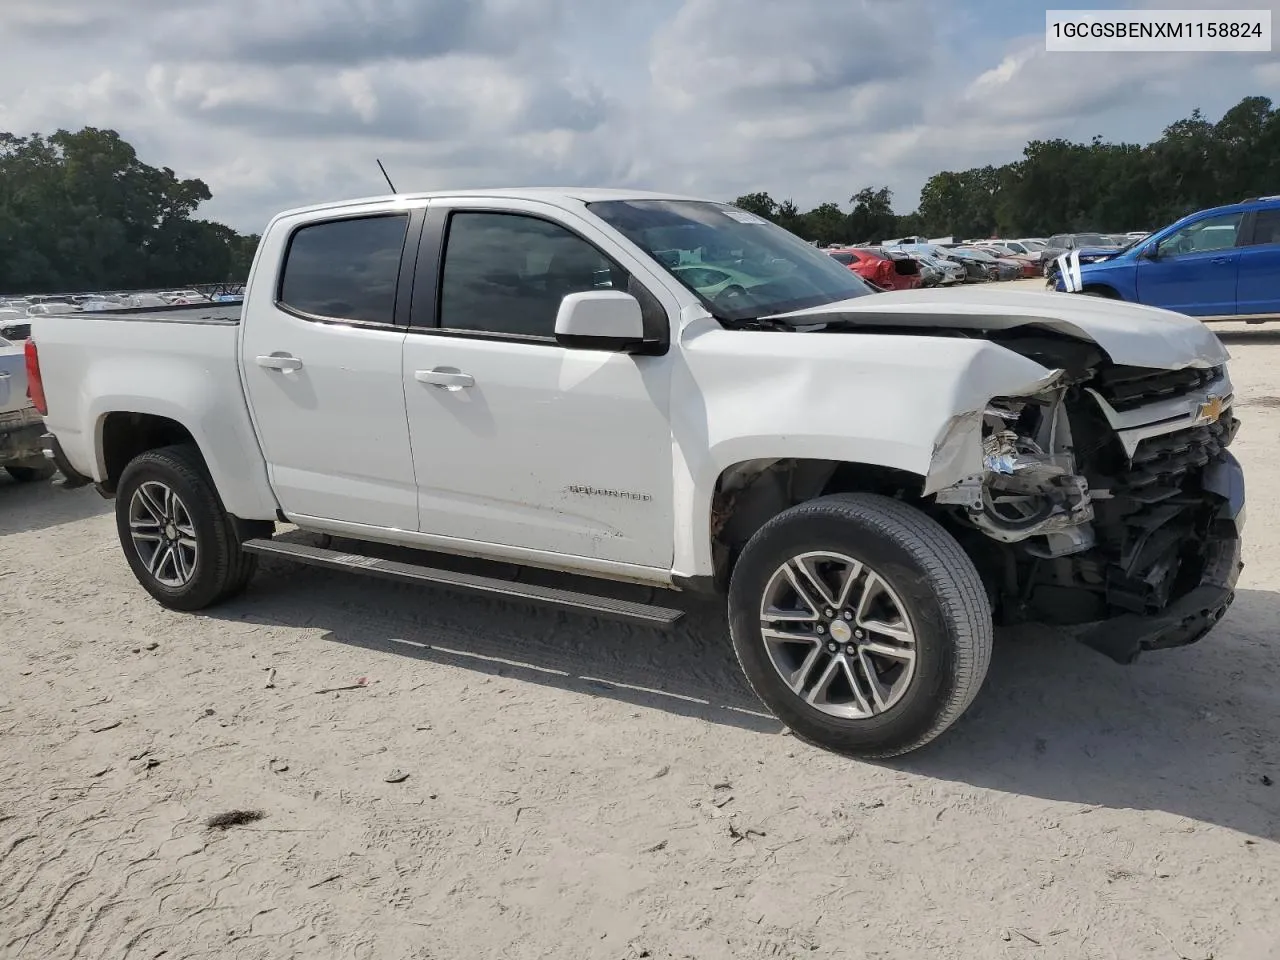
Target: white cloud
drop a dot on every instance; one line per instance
(290, 101)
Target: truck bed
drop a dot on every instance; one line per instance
(201, 313)
(175, 363)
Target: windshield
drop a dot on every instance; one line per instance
(739, 265)
(1093, 240)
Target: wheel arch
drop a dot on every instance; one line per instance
(125, 427)
(1101, 290)
(749, 493)
(123, 435)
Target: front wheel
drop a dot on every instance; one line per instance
(180, 542)
(861, 623)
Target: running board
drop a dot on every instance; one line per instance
(507, 589)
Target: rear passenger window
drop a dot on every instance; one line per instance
(507, 273)
(345, 269)
(1266, 226)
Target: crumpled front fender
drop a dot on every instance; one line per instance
(957, 451)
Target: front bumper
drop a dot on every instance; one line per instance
(1195, 613)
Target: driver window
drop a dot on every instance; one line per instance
(506, 273)
(1212, 233)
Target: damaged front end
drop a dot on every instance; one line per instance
(1107, 497)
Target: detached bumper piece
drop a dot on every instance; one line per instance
(1188, 617)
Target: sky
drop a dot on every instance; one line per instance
(278, 103)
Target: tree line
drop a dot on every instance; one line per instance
(1059, 186)
(80, 212)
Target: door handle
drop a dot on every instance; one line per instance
(286, 364)
(1220, 260)
(449, 379)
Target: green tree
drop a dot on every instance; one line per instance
(79, 211)
(761, 204)
(825, 223)
(872, 218)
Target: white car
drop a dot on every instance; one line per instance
(525, 376)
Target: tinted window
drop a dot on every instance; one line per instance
(507, 273)
(845, 258)
(1266, 226)
(1059, 241)
(345, 269)
(1211, 233)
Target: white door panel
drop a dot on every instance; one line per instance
(322, 376)
(333, 430)
(567, 451)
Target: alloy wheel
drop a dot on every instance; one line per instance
(163, 534)
(838, 635)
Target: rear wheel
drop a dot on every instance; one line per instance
(180, 542)
(861, 623)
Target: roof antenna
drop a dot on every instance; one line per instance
(385, 177)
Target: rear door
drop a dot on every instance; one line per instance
(1195, 268)
(320, 359)
(1258, 291)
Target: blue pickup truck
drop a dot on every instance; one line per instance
(1218, 264)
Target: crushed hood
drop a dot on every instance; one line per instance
(1130, 334)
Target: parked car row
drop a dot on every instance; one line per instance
(16, 313)
(903, 266)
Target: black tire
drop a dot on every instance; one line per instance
(944, 600)
(1095, 292)
(221, 569)
(31, 472)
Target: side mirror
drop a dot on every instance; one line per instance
(1152, 252)
(600, 320)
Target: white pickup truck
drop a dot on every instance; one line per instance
(676, 393)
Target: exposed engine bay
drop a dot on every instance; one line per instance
(1109, 495)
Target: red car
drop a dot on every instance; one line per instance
(888, 272)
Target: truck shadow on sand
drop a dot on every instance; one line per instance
(25, 507)
(1192, 732)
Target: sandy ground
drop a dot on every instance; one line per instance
(579, 789)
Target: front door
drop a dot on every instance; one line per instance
(518, 440)
(321, 364)
(1195, 269)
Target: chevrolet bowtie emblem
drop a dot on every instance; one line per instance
(1209, 411)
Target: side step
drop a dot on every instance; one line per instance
(395, 570)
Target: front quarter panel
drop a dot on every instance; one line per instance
(880, 399)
